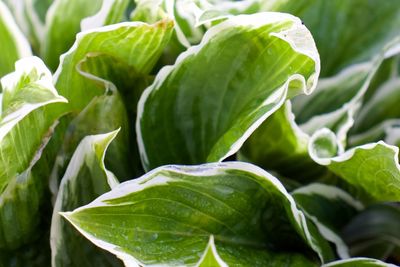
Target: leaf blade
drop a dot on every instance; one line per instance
(192, 134)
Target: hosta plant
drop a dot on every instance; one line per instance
(199, 133)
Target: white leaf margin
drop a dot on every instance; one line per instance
(347, 155)
(98, 19)
(358, 260)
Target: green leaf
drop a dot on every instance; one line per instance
(111, 12)
(62, 24)
(26, 126)
(358, 262)
(102, 114)
(167, 216)
(374, 232)
(13, 43)
(322, 204)
(220, 10)
(335, 98)
(40, 7)
(355, 31)
(85, 179)
(34, 254)
(66, 18)
(372, 168)
(149, 11)
(137, 45)
(100, 62)
(207, 117)
(105, 113)
(30, 17)
(183, 13)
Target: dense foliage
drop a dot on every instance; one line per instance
(199, 133)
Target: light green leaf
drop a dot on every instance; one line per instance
(182, 12)
(167, 216)
(26, 126)
(208, 117)
(343, 28)
(149, 11)
(85, 179)
(372, 168)
(135, 44)
(66, 18)
(13, 44)
(358, 262)
(28, 88)
(330, 208)
(30, 16)
(63, 22)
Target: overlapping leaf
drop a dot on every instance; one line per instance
(101, 61)
(85, 179)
